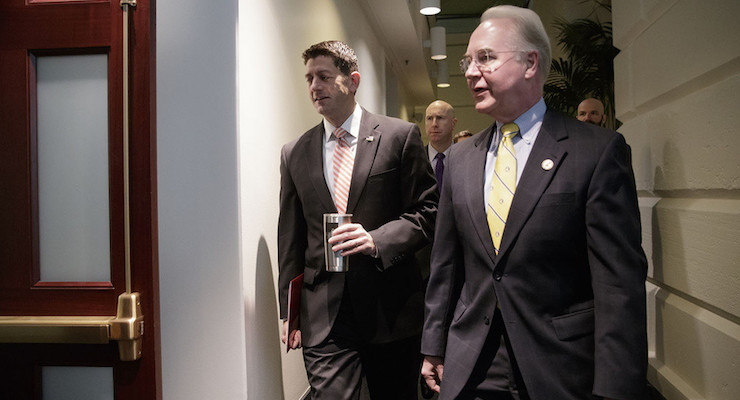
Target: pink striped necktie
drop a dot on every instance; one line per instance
(343, 162)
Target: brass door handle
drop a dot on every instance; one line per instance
(127, 328)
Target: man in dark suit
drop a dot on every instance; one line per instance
(537, 286)
(439, 121)
(368, 320)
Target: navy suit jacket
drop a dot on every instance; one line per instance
(393, 195)
(570, 276)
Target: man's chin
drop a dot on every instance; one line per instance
(484, 107)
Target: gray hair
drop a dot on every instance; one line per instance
(531, 32)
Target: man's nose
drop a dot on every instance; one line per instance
(472, 71)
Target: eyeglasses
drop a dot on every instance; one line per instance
(485, 60)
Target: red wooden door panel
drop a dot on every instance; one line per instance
(36, 28)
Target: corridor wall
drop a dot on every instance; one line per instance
(677, 79)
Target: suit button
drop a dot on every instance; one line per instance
(486, 321)
(497, 276)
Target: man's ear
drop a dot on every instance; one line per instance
(532, 61)
(355, 78)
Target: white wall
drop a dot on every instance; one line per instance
(274, 108)
(218, 177)
(676, 81)
(202, 309)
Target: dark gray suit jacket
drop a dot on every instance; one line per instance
(570, 277)
(393, 195)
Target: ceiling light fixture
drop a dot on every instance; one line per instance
(429, 7)
(443, 74)
(439, 43)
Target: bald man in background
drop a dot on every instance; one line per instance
(440, 121)
(592, 111)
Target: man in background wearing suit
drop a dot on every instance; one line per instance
(439, 121)
(537, 286)
(366, 321)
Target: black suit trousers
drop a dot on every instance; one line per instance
(336, 366)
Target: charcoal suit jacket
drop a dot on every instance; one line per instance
(393, 195)
(570, 275)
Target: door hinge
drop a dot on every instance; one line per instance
(131, 3)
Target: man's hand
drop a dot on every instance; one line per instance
(431, 370)
(295, 337)
(352, 239)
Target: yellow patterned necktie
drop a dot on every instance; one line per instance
(503, 184)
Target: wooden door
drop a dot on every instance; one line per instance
(49, 321)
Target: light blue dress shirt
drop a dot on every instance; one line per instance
(529, 127)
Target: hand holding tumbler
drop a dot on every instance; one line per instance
(335, 262)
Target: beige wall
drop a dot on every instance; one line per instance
(677, 82)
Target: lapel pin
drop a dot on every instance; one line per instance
(547, 164)
(369, 138)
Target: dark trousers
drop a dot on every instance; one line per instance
(495, 375)
(335, 368)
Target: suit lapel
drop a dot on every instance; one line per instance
(315, 166)
(535, 178)
(367, 147)
(475, 168)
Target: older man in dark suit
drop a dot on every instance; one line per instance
(537, 286)
(366, 321)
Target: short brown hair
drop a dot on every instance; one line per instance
(344, 57)
(462, 134)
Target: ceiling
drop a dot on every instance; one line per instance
(474, 7)
(465, 14)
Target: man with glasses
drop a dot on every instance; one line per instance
(537, 285)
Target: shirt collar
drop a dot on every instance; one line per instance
(433, 152)
(351, 124)
(528, 122)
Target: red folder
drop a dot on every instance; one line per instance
(294, 307)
